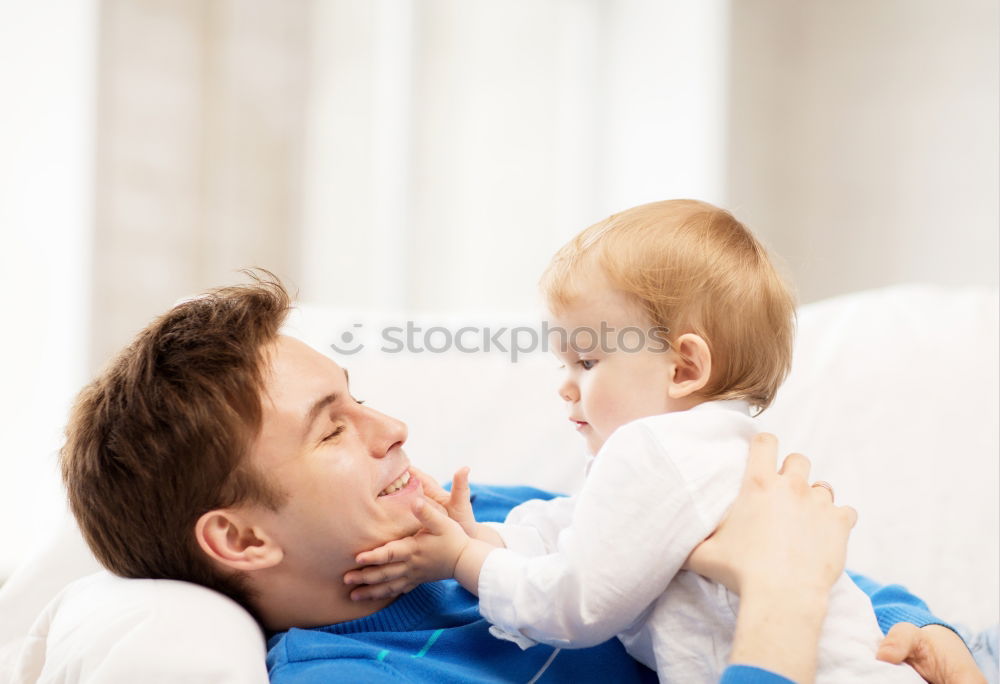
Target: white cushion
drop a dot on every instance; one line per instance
(895, 397)
(57, 561)
(108, 630)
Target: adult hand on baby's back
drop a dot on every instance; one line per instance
(779, 531)
(781, 547)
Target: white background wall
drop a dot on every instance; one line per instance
(863, 139)
(47, 73)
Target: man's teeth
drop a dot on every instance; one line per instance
(398, 484)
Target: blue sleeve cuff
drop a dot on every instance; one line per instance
(747, 674)
(893, 603)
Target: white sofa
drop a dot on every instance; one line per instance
(893, 395)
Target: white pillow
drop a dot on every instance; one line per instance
(57, 561)
(110, 630)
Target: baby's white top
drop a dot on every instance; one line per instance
(580, 570)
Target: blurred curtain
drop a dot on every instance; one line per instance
(387, 153)
(200, 115)
(451, 147)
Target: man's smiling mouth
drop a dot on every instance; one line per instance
(396, 484)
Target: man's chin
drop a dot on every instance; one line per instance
(406, 529)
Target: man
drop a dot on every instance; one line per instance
(217, 451)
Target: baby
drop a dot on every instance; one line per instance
(674, 329)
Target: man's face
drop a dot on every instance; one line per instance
(334, 458)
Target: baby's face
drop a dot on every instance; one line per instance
(609, 382)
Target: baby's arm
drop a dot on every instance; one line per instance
(531, 529)
(633, 525)
(448, 523)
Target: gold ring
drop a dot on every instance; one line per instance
(825, 485)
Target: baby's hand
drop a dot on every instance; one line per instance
(457, 503)
(934, 651)
(398, 566)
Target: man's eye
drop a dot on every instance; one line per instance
(587, 364)
(357, 401)
(333, 434)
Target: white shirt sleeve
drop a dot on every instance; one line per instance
(632, 527)
(532, 528)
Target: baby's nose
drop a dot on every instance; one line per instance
(568, 392)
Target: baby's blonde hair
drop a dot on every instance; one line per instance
(691, 267)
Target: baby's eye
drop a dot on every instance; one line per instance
(587, 364)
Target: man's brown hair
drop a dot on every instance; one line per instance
(160, 437)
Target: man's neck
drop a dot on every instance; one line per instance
(304, 604)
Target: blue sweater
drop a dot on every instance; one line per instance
(436, 634)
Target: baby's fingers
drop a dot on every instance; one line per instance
(431, 488)
(377, 574)
(384, 590)
(460, 484)
(398, 550)
(460, 488)
(432, 520)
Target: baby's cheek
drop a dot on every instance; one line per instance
(629, 408)
(610, 417)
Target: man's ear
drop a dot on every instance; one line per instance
(692, 366)
(228, 537)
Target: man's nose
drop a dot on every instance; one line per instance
(384, 432)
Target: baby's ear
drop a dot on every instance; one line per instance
(693, 366)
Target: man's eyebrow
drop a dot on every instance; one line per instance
(317, 408)
(322, 403)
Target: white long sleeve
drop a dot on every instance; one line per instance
(636, 520)
(532, 528)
